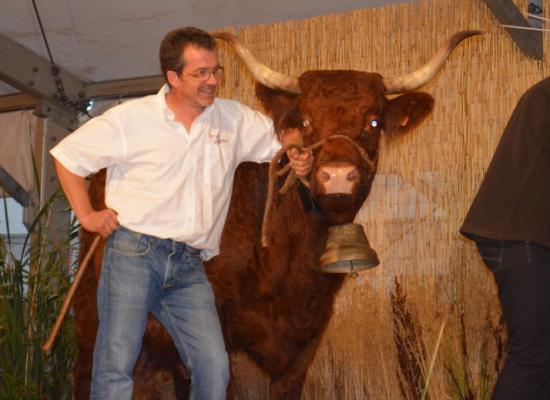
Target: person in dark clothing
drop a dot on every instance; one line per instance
(509, 220)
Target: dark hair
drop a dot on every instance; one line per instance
(176, 41)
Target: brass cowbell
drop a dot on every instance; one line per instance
(347, 250)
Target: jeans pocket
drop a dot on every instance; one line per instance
(193, 268)
(494, 264)
(537, 254)
(491, 253)
(130, 243)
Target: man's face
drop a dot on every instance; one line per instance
(196, 85)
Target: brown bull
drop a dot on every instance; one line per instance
(273, 302)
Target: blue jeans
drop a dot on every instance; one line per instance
(522, 274)
(143, 274)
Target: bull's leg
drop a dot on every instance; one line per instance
(288, 385)
(231, 388)
(83, 372)
(147, 379)
(182, 384)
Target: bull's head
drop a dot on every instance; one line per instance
(344, 103)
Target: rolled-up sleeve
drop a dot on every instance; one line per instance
(97, 144)
(257, 139)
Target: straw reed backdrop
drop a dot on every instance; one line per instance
(386, 321)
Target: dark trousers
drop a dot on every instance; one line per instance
(522, 274)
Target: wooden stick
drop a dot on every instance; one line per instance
(70, 294)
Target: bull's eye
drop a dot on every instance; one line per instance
(307, 126)
(373, 124)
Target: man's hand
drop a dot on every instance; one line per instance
(301, 163)
(103, 222)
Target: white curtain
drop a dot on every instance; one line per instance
(17, 141)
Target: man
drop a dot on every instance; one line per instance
(170, 161)
(510, 222)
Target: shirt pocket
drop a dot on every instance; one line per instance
(219, 162)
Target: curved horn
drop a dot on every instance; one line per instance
(426, 73)
(262, 73)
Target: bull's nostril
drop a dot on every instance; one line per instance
(324, 176)
(353, 175)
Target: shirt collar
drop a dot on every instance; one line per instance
(161, 99)
(166, 112)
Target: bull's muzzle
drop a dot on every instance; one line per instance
(338, 178)
(347, 250)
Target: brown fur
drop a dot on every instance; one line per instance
(274, 303)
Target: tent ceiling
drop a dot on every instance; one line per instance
(115, 39)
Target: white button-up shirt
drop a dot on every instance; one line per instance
(161, 179)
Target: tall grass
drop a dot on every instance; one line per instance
(472, 371)
(32, 287)
(465, 370)
(410, 348)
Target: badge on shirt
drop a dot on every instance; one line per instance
(218, 137)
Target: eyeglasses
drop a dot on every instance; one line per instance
(204, 74)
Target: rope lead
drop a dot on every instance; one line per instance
(291, 179)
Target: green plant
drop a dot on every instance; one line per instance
(471, 359)
(458, 369)
(32, 287)
(465, 384)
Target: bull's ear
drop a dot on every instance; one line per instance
(406, 112)
(281, 106)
